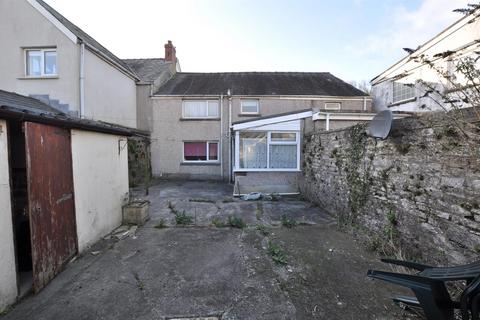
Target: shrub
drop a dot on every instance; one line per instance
(181, 218)
(277, 254)
(236, 222)
(287, 222)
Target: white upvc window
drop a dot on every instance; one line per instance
(41, 62)
(333, 106)
(403, 92)
(199, 109)
(200, 151)
(249, 107)
(268, 151)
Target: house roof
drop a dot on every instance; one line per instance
(19, 107)
(259, 84)
(451, 31)
(87, 39)
(148, 69)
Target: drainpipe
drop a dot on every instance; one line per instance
(82, 80)
(327, 122)
(230, 169)
(364, 103)
(221, 135)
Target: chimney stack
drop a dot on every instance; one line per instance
(170, 52)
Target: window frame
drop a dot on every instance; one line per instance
(339, 104)
(43, 51)
(257, 102)
(206, 105)
(269, 143)
(412, 87)
(207, 145)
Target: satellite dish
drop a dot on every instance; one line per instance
(381, 124)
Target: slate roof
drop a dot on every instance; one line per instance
(259, 84)
(82, 35)
(19, 107)
(148, 69)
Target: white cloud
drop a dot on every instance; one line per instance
(409, 28)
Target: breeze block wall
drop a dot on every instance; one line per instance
(415, 195)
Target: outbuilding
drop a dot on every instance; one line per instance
(63, 182)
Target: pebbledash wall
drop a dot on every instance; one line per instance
(420, 187)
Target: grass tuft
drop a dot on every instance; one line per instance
(277, 254)
(287, 222)
(181, 218)
(236, 222)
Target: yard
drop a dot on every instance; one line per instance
(289, 262)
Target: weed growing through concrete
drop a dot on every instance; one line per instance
(140, 284)
(263, 230)
(228, 200)
(259, 211)
(287, 222)
(236, 222)
(202, 200)
(218, 223)
(181, 218)
(161, 224)
(277, 254)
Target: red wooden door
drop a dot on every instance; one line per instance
(50, 200)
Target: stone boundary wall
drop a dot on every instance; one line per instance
(417, 192)
(139, 161)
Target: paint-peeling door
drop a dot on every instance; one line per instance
(50, 200)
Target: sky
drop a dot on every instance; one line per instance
(353, 39)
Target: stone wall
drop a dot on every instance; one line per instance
(139, 161)
(414, 195)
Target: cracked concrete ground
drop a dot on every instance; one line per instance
(202, 271)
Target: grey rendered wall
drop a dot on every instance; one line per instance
(22, 26)
(110, 95)
(169, 131)
(168, 134)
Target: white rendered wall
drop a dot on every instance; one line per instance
(8, 276)
(100, 176)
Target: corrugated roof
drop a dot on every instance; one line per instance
(87, 38)
(259, 84)
(13, 105)
(148, 69)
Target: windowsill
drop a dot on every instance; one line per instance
(199, 163)
(394, 104)
(249, 115)
(199, 119)
(267, 170)
(38, 78)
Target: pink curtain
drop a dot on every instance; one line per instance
(213, 151)
(195, 149)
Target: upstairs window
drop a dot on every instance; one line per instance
(41, 62)
(333, 106)
(198, 109)
(250, 107)
(402, 92)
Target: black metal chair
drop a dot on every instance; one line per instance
(431, 294)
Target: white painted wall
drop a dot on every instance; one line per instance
(8, 276)
(110, 95)
(21, 26)
(100, 176)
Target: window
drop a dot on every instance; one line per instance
(333, 106)
(268, 150)
(200, 151)
(402, 91)
(200, 109)
(250, 107)
(41, 62)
